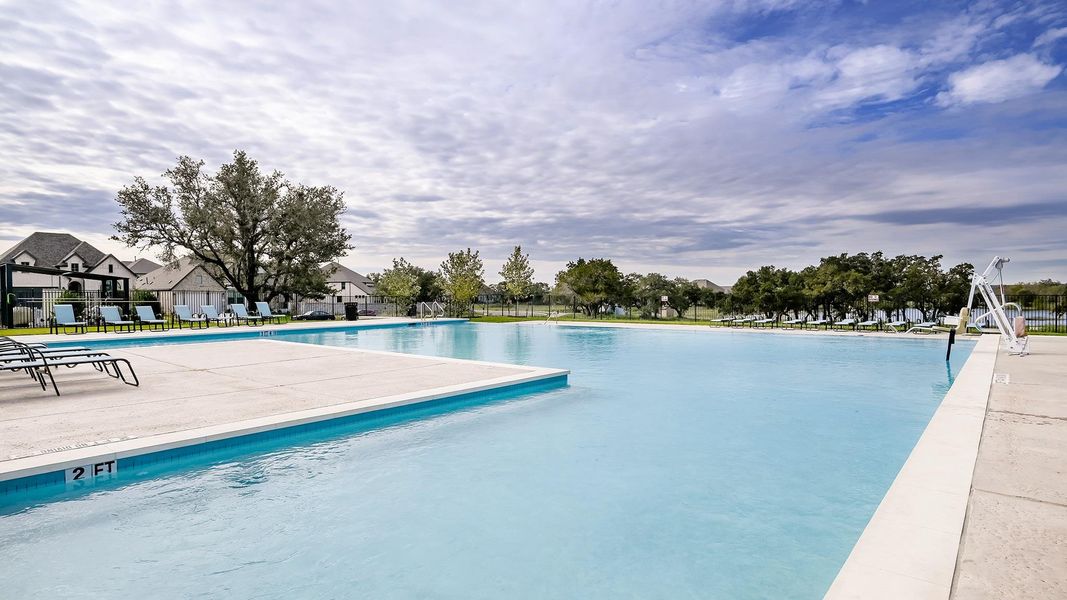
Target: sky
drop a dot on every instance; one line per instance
(696, 139)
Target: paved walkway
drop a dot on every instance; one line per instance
(221, 389)
(1015, 540)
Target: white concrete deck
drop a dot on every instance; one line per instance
(194, 393)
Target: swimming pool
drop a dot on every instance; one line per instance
(676, 464)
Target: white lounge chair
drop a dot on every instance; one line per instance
(924, 327)
(741, 322)
(794, 322)
(845, 323)
(817, 322)
(896, 326)
(868, 324)
(765, 321)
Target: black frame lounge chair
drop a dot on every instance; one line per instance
(845, 324)
(185, 315)
(212, 315)
(263, 308)
(146, 315)
(869, 325)
(792, 323)
(110, 315)
(241, 314)
(40, 365)
(765, 322)
(63, 316)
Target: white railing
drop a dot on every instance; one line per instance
(430, 310)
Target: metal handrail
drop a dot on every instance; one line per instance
(435, 310)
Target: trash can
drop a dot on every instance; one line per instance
(351, 311)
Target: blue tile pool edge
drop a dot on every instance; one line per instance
(53, 482)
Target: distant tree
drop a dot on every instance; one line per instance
(430, 289)
(261, 233)
(595, 283)
(401, 283)
(518, 276)
(462, 278)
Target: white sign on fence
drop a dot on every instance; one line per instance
(872, 297)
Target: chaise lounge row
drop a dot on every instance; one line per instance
(843, 324)
(39, 362)
(110, 317)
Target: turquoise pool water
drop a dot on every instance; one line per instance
(675, 465)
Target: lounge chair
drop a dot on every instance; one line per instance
(241, 314)
(766, 321)
(794, 322)
(39, 365)
(845, 324)
(212, 315)
(924, 327)
(722, 321)
(64, 317)
(896, 326)
(147, 316)
(869, 324)
(112, 317)
(741, 322)
(817, 322)
(264, 312)
(184, 315)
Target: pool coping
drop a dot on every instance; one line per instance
(41, 464)
(910, 545)
(881, 335)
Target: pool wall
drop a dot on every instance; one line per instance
(50, 470)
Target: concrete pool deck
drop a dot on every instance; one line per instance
(1015, 540)
(195, 393)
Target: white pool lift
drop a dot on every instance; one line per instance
(1013, 331)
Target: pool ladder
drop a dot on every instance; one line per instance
(430, 310)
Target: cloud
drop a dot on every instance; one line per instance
(698, 138)
(999, 80)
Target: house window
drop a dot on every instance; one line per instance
(25, 263)
(75, 267)
(199, 280)
(339, 300)
(342, 285)
(111, 268)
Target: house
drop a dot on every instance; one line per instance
(142, 266)
(348, 285)
(69, 256)
(708, 284)
(184, 282)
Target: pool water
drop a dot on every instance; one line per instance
(676, 464)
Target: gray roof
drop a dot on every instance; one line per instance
(165, 278)
(706, 283)
(343, 273)
(50, 249)
(142, 266)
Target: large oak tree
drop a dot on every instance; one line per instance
(264, 235)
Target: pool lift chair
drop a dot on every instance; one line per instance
(1014, 331)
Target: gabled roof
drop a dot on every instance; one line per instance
(142, 266)
(166, 278)
(707, 283)
(50, 249)
(343, 273)
(90, 256)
